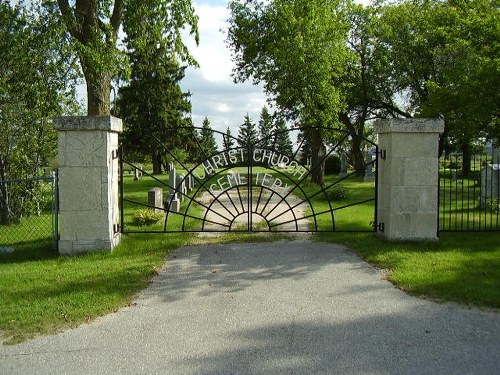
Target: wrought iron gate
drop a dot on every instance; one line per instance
(252, 186)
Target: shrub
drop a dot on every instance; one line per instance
(338, 193)
(332, 164)
(146, 217)
(493, 204)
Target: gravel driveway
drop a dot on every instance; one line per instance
(288, 307)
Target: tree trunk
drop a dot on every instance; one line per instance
(156, 159)
(357, 156)
(318, 158)
(98, 91)
(466, 156)
(4, 198)
(4, 205)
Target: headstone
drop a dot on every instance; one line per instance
(189, 183)
(343, 165)
(369, 175)
(155, 199)
(490, 181)
(181, 187)
(173, 204)
(137, 172)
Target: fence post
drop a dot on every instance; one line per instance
(408, 178)
(88, 183)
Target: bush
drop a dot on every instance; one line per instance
(338, 193)
(332, 164)
(493, 204)
(146, 217)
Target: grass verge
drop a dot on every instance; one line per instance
(461, 267)
(44, 293)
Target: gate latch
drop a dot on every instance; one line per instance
(382, 153)
(381, 227)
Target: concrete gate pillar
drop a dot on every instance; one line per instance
(88, 183)
(408, 178)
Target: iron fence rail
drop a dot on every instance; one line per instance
(469, 194)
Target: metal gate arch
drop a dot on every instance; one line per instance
(236, 190)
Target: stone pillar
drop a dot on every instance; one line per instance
(408, 178)
(88, 183)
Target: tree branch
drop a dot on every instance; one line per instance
(393, 109)
(116, 16)
(69, 19)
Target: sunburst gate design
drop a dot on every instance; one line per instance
(251, 188)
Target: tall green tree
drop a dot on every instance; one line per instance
(94, 26)
(266, 127)
(37, 80)
(247, 133)
(284, 144)
(228, 141)
(207, 139)
(304, 83)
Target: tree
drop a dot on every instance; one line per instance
(37, 79)
(283, 143)
(265, 128)
(207, 139)
(153, 106)
(369, 87)
(304, 84)
(247, 134)
(228, 139)
(445, 57)
(94, 25)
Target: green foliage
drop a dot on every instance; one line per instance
(445, 55)
(332, 164)
(228, 140)
(283, 142)
(153, 106)
(247, 134)
(337, 193)
(262, 36)
(146, 217)
(95, 37)
(37, 80)
(493, 205)
(266, 127)
(207, 139)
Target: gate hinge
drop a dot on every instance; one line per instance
(381, 227)
(382, 153)
(116, 228)
(115, 154)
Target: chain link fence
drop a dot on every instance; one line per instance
(28, 214)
